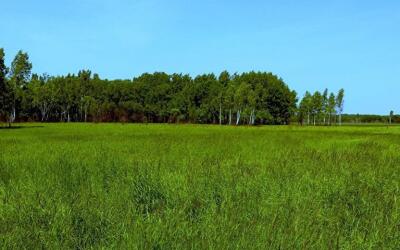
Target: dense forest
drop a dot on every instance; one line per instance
(247, 98)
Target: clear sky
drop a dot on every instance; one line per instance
(311, 44)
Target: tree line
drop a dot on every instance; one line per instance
(321, 108)
(248, 98)
(391, 118)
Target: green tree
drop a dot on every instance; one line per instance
(229, 99)
(317, 106)
(4, 89)
(340, 104)
(325, 104)
(19, 77)
(241, 99)
(252, 104)
(302, 111)
(306, 106)
(224, 80)
(331, 107)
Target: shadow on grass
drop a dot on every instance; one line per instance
(19, 127)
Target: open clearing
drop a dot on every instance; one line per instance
(191, 186)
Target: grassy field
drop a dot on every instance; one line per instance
(187, 186)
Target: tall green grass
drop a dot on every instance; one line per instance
(178, 187)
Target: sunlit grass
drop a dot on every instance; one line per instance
(188, 186)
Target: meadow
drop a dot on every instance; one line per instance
(132, 186)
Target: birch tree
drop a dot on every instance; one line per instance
(229, 100)
(252, 102)
(317, 103)
(340, 104)
(20, 73)
(308, 106)
(331, 107)
(241, 96)
(325, 104)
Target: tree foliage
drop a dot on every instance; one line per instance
(247, 98)
(321, 109)
(5, 90)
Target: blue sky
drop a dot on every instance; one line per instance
(310, 44)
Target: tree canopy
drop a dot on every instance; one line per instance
(247, 98)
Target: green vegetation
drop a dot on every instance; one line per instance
(358, 118)
(241, 99)
(247, 98)
(320, 108)
(251, 98)
(197, 186)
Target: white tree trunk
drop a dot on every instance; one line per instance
(252, 117)
(238, 117)
(43, 111)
